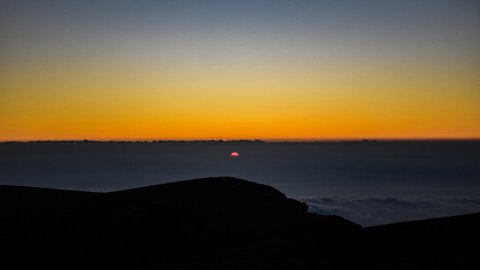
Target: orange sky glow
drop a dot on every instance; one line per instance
(226, 79)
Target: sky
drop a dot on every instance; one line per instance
(246, 69)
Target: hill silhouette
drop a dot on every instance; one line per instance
(213, 223)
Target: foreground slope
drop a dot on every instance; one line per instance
(213, 223)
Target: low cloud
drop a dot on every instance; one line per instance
(369, 211)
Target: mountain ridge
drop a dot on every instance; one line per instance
(214, 223)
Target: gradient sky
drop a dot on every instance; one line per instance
(239, 69)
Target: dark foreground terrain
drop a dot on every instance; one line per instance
(214, 223)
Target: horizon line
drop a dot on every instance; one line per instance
(264, 140)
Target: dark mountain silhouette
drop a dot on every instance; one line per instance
(213, 223)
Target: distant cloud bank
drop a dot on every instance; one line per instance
(369, 211)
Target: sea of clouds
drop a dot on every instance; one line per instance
(369, 211)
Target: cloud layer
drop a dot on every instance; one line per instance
(369, 211)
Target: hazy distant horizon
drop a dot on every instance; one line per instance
(367, 182)
(266, 140)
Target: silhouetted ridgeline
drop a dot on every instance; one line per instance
(213, 223)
